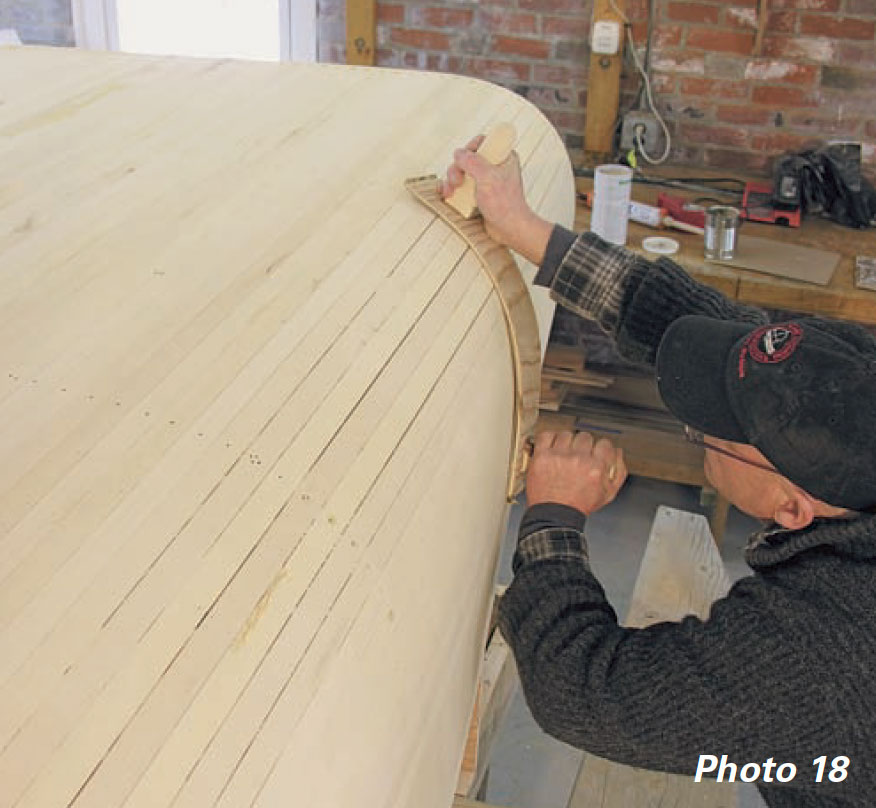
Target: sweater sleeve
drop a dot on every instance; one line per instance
(656, 697)
(631, 298)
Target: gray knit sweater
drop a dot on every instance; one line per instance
(785, 665)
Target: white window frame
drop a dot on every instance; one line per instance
(96, 27)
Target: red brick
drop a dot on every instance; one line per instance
(775, 142)
(552, 6)
(826, 127)
(566, 121)
(871, 129)
(337, 54)
(781, 72)
(497, 70)
(686, 154)
(639, 31)
(435, 17)
(443, 63)
(737, 162)
(577, 27)
(636, 10)
(501, 21)
(552, 73)
(713, 88)
(744, 114)
(741, 18)
(693, 12)
(801, 48)
(849, 80)
(665, 36)
(517, 46)
(809, 5)
(544, 97)
(853, 53)
(384, 57)
(423, 40)
(678, 62)
(782, 97)
(711, 39)
(572, 51)
(663, 84)
(782, 22)
(837, 27)
(859, 6)
(715, 135)
(390, 13)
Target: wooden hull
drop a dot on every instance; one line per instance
(256, 414)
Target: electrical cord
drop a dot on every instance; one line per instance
(646, 81)
(705, 184)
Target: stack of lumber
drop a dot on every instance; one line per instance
(257, 407)
(621, 402)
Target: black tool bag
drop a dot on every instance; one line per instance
(827, 181)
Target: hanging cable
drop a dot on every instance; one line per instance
(646, 82)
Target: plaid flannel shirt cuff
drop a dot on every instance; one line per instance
(551, 532)
(592, 277)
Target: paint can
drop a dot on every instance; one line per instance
(611, 202)
(721, 231)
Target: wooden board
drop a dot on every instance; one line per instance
(256, 411)
(520, 319)
(361, 21)
(603, 84)
(498, 684)
(785, 260)
(681, 574)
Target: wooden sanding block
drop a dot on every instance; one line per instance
(496, 147)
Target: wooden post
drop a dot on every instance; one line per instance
(361, 32)
(603, 85)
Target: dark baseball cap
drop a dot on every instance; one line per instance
(803, 392)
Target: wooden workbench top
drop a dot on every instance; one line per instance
(840, 298)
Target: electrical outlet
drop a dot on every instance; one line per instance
(606, 37)
(652, 137)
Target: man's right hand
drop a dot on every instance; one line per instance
(574, 470)
(507, 217)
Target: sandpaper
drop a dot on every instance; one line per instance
(783, 259)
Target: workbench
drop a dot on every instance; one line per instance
(840, 298)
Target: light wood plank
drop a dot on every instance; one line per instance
(361, 32)
(603, 84)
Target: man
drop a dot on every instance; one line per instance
(784, 669)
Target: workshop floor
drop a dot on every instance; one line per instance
(529, 769)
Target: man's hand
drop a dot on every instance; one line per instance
(570, 469)
(507, 217)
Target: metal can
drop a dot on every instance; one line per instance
(722, 227)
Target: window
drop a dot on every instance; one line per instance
(249, 29)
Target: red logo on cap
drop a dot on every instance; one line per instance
(770, 344)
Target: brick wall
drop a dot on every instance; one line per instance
(39, 22)
(814, 80)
